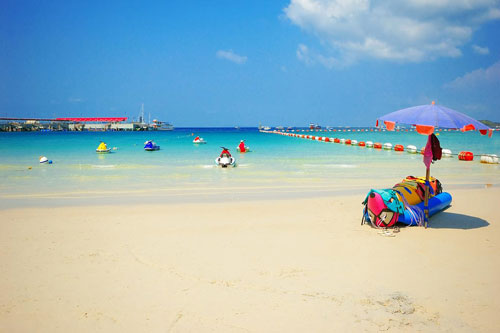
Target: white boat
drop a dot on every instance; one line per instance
(161, 126)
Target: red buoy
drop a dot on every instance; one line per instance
(466, 156)
(399, 148)
(377, 145)
(361, 143)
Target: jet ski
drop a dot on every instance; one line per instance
(199, 140)
(151, 146)
(102, 148)
(45, 160)
(225, 159)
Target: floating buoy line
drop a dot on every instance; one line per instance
(411, 149)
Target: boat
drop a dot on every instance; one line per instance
(225, 159)
(161, 126)
(103, 148)
(150, 145)
(314, 126)
(199, 140)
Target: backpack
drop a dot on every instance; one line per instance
(382, 208)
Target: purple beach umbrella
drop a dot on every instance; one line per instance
(426, 118)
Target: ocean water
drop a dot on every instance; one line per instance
(277, 167)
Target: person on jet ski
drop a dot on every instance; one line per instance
(225, 151)
(241, 146)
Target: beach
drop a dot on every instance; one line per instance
(280, 265)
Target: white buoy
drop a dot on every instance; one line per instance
(354, 142)
(369, 144)
(342, 141)
(446, 153)
(411, 149)
(489, 159)
(387, 146)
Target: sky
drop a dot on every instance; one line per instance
(248, 62)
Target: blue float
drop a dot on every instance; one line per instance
(436, 204)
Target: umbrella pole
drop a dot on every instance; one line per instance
(426, 197)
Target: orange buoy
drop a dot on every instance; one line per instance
(377, 145)
(399, 148)
(327, 139)
(336, 140)
(361, 143)
(466, 156)
(348, 142)
(422, 151)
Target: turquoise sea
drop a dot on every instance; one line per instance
(277, 167)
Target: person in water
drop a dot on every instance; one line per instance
(241, 146)
(225, 151)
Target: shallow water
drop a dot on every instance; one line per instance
(277, 166)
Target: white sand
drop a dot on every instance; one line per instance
(304, 265)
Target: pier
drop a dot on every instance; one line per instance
(79, 124)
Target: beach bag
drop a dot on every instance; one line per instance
(434, 188)
(382, 208)
(412, 192)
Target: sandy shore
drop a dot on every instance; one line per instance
(295, 265)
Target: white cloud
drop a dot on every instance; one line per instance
(231, 56)
(310, 58)
(403, 31)
(489, 77)
(480, 50)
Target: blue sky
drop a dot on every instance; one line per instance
(228, 63)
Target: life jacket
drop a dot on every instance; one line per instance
(225, 152)
(434, 188)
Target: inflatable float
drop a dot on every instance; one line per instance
(404, 203)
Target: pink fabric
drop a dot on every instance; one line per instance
(428, 153)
